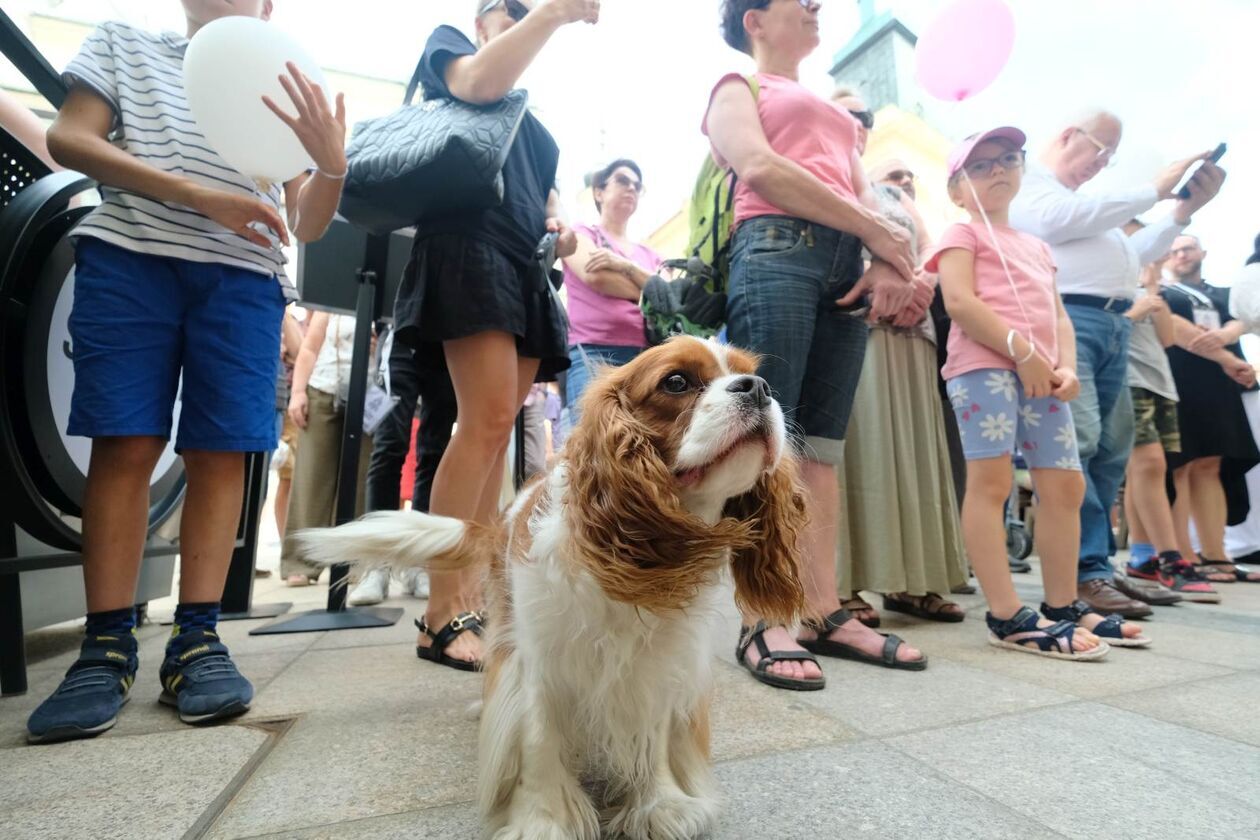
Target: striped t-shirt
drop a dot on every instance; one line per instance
(141, 76)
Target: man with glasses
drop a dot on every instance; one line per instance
(1098, 277)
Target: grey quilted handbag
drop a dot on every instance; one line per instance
(439, 157)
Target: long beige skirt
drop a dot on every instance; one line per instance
(899, 525)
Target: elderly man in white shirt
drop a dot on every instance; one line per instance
(1098, 268)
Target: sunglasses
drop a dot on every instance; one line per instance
(514, 8)
(866, 118)
(764, 4)
(983, 167)
(628, 183)
(899, 175)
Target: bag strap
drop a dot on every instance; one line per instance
(414, 84)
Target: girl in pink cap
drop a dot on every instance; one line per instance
(1010, 375)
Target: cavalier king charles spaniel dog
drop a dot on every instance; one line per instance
(603, 576)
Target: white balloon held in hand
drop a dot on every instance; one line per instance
(230, 65)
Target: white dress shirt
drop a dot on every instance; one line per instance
(1093, 255)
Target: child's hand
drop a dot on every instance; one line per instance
(238, 212)
(1069, 387)
(321, 130)
(1038, 377)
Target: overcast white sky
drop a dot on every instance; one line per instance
(1184, 76)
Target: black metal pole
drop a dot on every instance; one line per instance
(336, 616)
(238, 591)
(352, 432)
(12, 642)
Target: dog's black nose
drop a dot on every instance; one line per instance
(755, 388)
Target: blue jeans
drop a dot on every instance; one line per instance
(584, 368)
(1104, 428)
(786, 275)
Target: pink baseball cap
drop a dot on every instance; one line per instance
(958, 157)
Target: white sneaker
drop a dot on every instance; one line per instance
(371, 589)
(416, 583)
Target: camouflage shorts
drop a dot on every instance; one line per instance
(1156, 420)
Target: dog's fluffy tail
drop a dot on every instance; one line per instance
(399, 540)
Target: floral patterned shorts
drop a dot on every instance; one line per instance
(995, 419)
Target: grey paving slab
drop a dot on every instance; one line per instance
(751, 719)
(863, 790)
(73, 790)
(453, 822)
(1087, 769)
(376, 733)
(1224, 706)
(1123, 670)
(880, 701)
(1195, 643)
(15, 710)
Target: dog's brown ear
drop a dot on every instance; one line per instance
(767, 572)
(627, 521)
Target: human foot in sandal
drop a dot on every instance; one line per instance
(455, 643)
(930, 606)
(843, 636)
(1112, 629)
(862, 611)
(1030, 633)
(1226, 571)
(772, 657)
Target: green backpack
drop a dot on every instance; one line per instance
(694, 303)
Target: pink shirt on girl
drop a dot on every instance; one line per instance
(802, 127)
(596, 318)
(1029, 306)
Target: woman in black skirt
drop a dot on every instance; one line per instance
(475, 301)
(1217, 448)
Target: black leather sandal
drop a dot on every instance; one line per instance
(464, 622)
(826, 647)
(757, 635)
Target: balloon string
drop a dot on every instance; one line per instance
(1002, 257)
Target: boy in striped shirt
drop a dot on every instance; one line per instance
(178, 273)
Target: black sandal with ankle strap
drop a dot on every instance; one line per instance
(473, 622)
(826, 647)
(757, 635)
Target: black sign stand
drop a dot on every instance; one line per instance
(336, 616)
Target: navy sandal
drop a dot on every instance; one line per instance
(756, 635)
(1054, 641)
(466, 622)
(826, 647)
(1110, 629)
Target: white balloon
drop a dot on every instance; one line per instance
(230, 64)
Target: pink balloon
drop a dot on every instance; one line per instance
(965, 49)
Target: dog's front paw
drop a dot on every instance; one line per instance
(674, 816)
(567, 815)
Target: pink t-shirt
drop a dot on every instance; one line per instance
(802, 127)
(596, 318)
(1032, 270)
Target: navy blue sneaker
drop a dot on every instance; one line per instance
(200, 679)
(89, 698)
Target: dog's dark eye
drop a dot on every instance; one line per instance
(676, 383)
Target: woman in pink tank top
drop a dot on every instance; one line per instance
(803, 211)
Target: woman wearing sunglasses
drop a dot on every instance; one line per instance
(604, 280)
(803, 209)
(472, 300)
(900, 533)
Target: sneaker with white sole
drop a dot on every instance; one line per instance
(371, 589)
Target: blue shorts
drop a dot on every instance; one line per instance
(786, 275)
(994, 417)
(139, 321)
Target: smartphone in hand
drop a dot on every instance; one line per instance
(1182, 190)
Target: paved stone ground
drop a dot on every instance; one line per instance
(351, 737)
